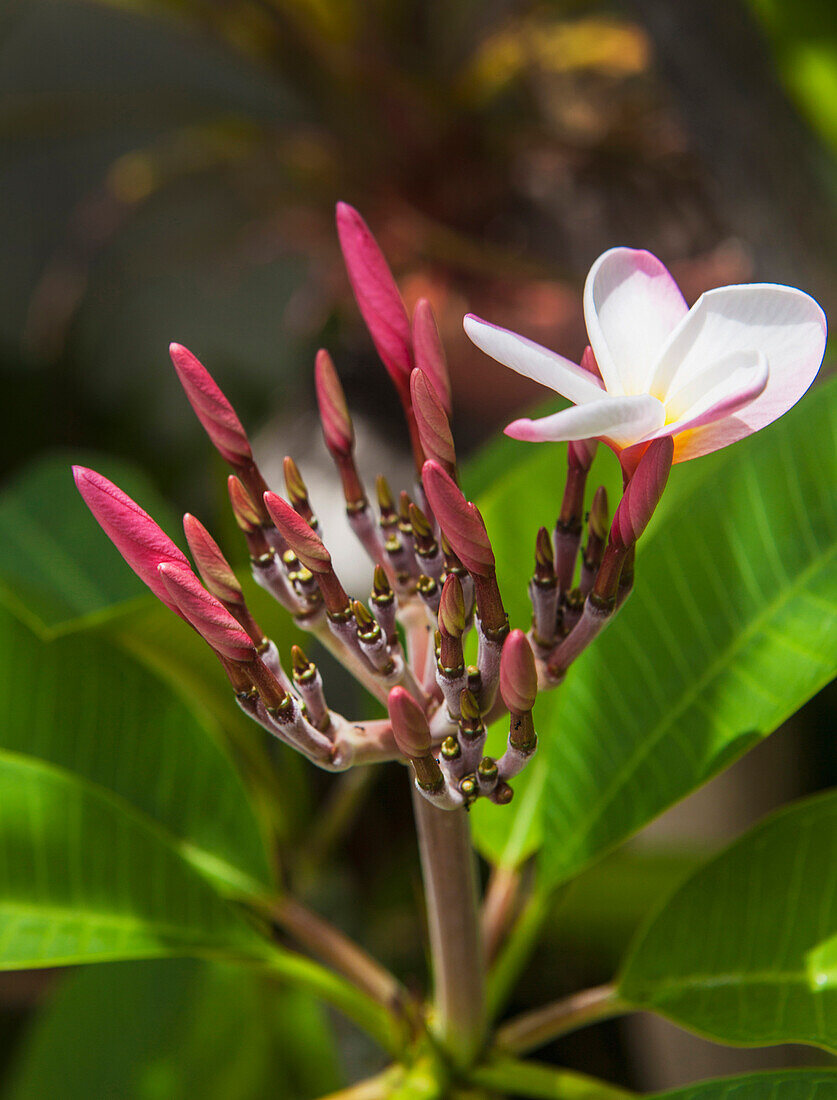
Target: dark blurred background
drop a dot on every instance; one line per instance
(169, 171)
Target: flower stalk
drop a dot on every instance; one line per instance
(448, 871)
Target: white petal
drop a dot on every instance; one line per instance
(631, 306)
(737, 378)
(621, 420)
(535, 362)
(785, 325)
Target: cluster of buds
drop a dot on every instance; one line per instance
(432, 565)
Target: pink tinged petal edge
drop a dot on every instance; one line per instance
(432, 421)
(534, 361)
(689, 430)
(736, 379)
(631, 306)
(376, 293)
(211, 407)
(140, 541)
(209, 617)
(460, 520)
(643, 492)
(621, 420)
(429, 351)
(786, 325)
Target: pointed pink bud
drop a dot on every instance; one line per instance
(429, 352)
(598, 513)
(213, 567)
(452, 607)
(376, 294)
(588, 362)
(432, 421)
(334, 413)
(209, 617)
(643, 492)
(132, 531)
(307, 546)
(409, 724)
(460, 521)
(211, 407)
(581, 452)
(244, 509)
(518, 674)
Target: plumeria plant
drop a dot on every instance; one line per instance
(745, 950)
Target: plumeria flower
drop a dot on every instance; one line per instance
(708, 376)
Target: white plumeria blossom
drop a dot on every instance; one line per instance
(709, 375)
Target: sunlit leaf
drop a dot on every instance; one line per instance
(729, 953)
(84, 877)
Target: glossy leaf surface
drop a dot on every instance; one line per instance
(729, 953)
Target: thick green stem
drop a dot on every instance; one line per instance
(448, 869)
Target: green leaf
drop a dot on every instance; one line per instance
(84, 877)
(176, 1029)
(728, 955)
(731, 628)
(58, 569)
(80, 703)
(782, 1084)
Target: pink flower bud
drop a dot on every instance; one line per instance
(460, 521)
(598, 513)
(432, 421)
(213, 567)
(334, 413)
(409, 724)
(376, 294)
(429, 352)
(302, 540)
(244, 509)
(518, 674)
(133, 532)
(581, 452)
(209, 617)
(211, 407)
(588, 362)
(452, 607)
(643, 492)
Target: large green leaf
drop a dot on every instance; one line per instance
(81, 703)
(730, 629)
(781, 1084)
(85, 877)
(729, 955)
(175, 1029)
(58, 570)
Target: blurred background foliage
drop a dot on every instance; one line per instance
(168, 171)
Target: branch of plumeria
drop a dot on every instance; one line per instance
(434, 570)
(321, 939)
(434, 575)
(534, 1029)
